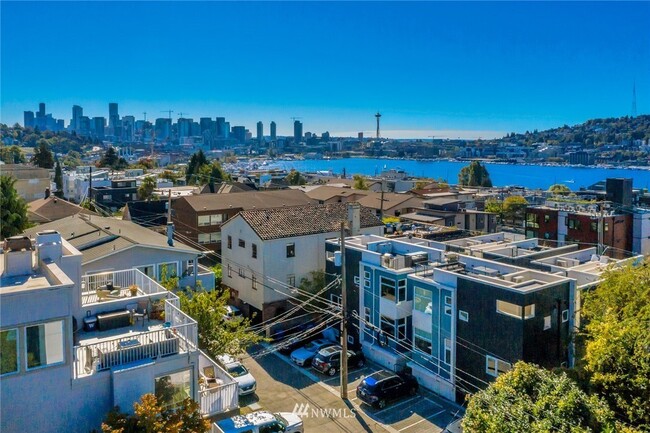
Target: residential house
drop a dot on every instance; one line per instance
(73, 346)
(117, 195)
(199, 217)
(77, 182)
(31, 182)
(268, 251)
(52, 208)
(110, 244)
(452, 212)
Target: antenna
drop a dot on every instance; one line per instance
(634, 99)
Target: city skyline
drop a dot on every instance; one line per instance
(429, 68)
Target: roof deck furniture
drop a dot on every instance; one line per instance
(139, 310)
(113, 319)
(108, 291)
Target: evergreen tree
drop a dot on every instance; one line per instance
(197, 161)
(13, 209)
(58, 179)
(474, 174)
(42, 155)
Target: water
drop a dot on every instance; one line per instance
(529, 176)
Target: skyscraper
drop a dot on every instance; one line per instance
(222, 132)
(28, 119)
(97, 126)
(184, 127)
(260, 132)
(41, 109)
(163, 128)
(113, 119)
(206, 124)
(239, 133)
(297, 131)
(274, 135)
(77, 113)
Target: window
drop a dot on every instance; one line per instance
(107, 197)
(204, 220)
(254, 251)
(335, 298)
(229, 242)
(495, 366)
(594, 226)
(45, 344)
(509, 309)
(173, 388)
(147, 270)
(216, 219)
(422, 340)
(574, 224)
(422, 300)
(366, 275)
(565, 316)
(547, 218)
(204, 238)
(8, 351)
(242, 243)
(463, 315)
(167, 270)
(229, 271)
(401, 290)
(291, 280)
(547, 322)
(357, 281)
(532, 220)
(606, 227)
(447, 359)
(387, 326)
(366, 315)
(291, 250)
(254, 282)
(401, 329)
(215, 237)
(529, 311)
(448, 305)
(242, 272)
(387, 288)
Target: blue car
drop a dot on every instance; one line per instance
(305, 354)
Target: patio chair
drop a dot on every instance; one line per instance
(108, 292)
(141, 311)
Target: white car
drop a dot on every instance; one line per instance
(245, 380)
(261, 422)
(232, 313)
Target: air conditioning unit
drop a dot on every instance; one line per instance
(518, 279)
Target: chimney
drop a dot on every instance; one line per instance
(47, 193)
(17, 256)
(354, 218)
(49, 246)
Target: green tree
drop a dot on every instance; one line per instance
(58, 179)
(295, 178)
(559, 189)
(210, 174)
(42, 155)
(112, 160)
(72, 159)
(474, 174)
(12, 155)
(13, 209)
(146, 188)
(494, 206)
(217, 335)
(514, 207)
(617, 341)
(218, 275)
(359, 182)
(197, 160)
(529, 399)
(151, 417)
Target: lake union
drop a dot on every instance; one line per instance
(529, 176)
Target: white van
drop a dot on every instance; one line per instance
(260, 422)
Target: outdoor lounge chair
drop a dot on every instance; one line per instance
(108, 292)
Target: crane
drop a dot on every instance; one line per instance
(168, 112)
(180, 114)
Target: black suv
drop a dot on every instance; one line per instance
(328, 360)
(382, 386)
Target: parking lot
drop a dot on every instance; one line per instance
(424, 412)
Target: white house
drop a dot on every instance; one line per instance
(266, 250)
(73, 346)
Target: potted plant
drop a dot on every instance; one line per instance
(133, 288)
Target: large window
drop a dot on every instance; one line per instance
(422, 300)
(216, 219)
(387, 288)
(401, 329)
(173, 388)
(291, 250)
(388, 326)
(147, 270)
(45, 344)
(8, 351)
(401, 290)
(509, 309)
(495, 366)
(422, 340)
(210, 220)
(204, 220)
(167, 270)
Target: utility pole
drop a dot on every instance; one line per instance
(381, 205)
(344, 320)
(90, 184)
(601, 229)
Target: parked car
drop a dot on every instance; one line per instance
(304, 355)
(288, 341)
(246, 382)
(261, 422)
(328, 360)
(232, 313)
(383, 386)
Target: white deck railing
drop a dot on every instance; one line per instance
(121, 280)
(217, 398)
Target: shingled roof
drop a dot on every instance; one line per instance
(284, 222)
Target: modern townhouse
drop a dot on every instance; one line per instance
(110, 244)
(116, 195)
(74, 346)
(268, 250)
(76, 183)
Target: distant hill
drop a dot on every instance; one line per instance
(592, 133)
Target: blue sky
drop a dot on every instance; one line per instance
(445, 69)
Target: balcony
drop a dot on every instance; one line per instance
(96, 288)
(219, 392)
